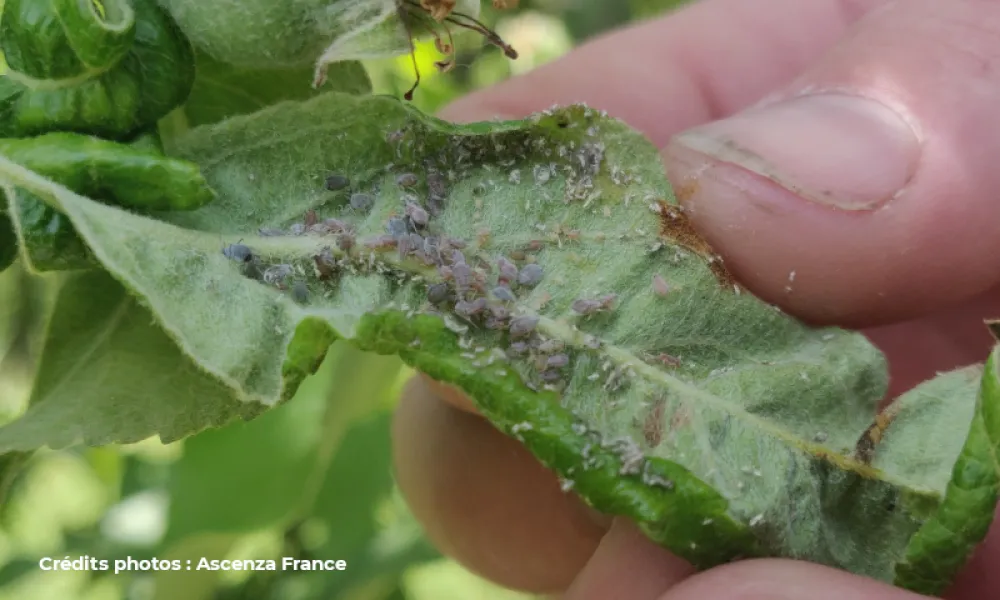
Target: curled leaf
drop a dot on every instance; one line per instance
(106, 68)
(516, 261)
(8, 241)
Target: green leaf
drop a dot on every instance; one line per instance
(108, 68)
(720, 425)
(320, 32)
(222, 91)
(108, 374)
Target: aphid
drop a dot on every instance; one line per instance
(345, 241)
(396, 227)
(276, 274)
(551, 376)
(297, 229)
(438, 293)
(417, 214)
(551, 346)
(381, 242)
(660, 286)
(407, 180)
(325, 263)
(495, 323)
(530, 275)
(587, 307)
(437, 191)
(517, 349)
(557, 361)
(457, 257)
(270, 232)
(300, 293)
(445, 272)
(457, 244)
(310, 218)
(470, 309)
(335, 182)
(463, 276)
(499, 311)
(238, 252)
(502, 292)
(361, 201)
(335, 225)
(416, 242)
(405, 246)
(523, 325)
(508, 271)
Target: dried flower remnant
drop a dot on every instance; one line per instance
(437, 17)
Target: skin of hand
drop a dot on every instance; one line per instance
(854, 142)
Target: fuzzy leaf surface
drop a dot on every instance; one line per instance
(722, 426)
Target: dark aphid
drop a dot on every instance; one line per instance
(417, 214)
(297, 229)
(396, 227)
(417, 243)
(439, 293)
(310, 218)
(238, 252)
(360, 201)
(517, 349)
(551, 376)
(502, 292)
(407, 180)
(463, 276)
(431, 249)
(276, 274)
(336, 182)
(300, 293)
(499, 311)
(326, 265)
(270, 232)
(381, 242)
(470, 309)
(557, 361)
(530, 275)
(508, 271)
(551, 346)
(345, 241)
(586, 306)
(496, 324)
(523, 325)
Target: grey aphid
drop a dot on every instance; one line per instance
(551, 376)
(503, 292)
(396, 227)
(495, 323)
(499, 311)
(416, 242)
(335, 182)
(345, 241)
(270, 232)
(407, 180)
(360, 201)
(523, 325)
(238, 252)
(470, 309)
(463, 276)
(517, 349)
(276, 274)
(297, 229)
(557, 361)
(438, 293)
(335, 225)
(585, 306)
(417, 214)
(457, 243)
(508, 271)
(457, 257)
(551, 346)
(300, 293)
(530, 275)
(380, 243)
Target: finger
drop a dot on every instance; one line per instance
(628, 565)
(701, 63)
(865, 191)
(450, 395)
(783, 580)
(485, 501)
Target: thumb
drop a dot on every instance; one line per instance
(866, 191)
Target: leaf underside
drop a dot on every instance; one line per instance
(723, 427)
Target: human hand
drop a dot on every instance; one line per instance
(867, 166)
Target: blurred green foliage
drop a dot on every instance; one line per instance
(310, 479)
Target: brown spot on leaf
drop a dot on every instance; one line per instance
(676, 227)
(652, 423)
(864, 450)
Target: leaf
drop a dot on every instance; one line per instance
(723, 427)
(8, 242)
(222, 91)
(243, 33)
(108, 374)
(109, 68)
